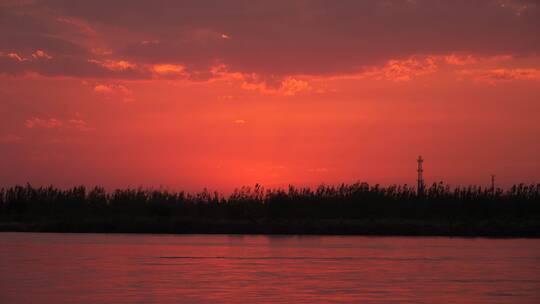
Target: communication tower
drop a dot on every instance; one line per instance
(493, 184)
(420, 170)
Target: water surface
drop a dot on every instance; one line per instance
(117, 268)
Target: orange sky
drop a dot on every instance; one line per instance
(219, 95)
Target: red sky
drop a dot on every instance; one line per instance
(221, 94)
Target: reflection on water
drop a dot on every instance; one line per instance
(109, 268)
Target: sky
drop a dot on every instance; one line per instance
(223, 94)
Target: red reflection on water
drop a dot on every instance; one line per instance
(68, 268)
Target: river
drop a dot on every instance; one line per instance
(141, 268)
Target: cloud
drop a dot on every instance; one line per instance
(168, 69)
(79, 24)
(14, 56)
(291, 86)
(315, 38)
(517, 7)
(399, 70)
(454, 59)
(40, 54)
(288, 86)
(101, 88)
(114, 65)
(48, 123)
(47, 47)
(226, 97)
(78, 124)
(67, 66)
(469, 59)
(144, 42)
(493, 76)
(240, 122)
(407, 69)
(117, 91)
(110, 88)
(54, 123)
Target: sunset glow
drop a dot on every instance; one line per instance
(225, 94)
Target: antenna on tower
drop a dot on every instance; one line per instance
(420, 189)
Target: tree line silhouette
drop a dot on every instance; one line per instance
(346, 208)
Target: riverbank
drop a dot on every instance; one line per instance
(357, 209)
(377, 227)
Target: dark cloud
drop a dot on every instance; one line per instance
(65, 66)
(274, 37)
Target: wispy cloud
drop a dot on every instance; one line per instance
(493, 76)
(517, 7)
(55, 123)
(115, 91)
(110, 88)
(289, 86)
(41, 54)
(404, 70)
(13, 56)
(304, 42)
(102, 88)
(114, 65)
(168, 69)
(81, 25)
(47, 123)
(470, 59)
(78, 124)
